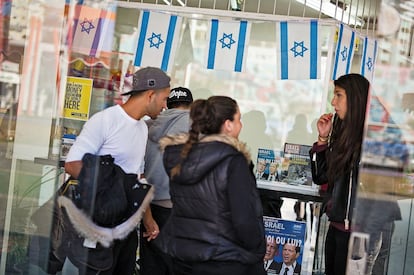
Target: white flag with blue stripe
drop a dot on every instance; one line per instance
(93, 30)
(298, 50)
(344, 51)
(369, 56)
(227, 48)
(157, 40)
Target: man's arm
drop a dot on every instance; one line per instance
(90, 140)
(73, 168)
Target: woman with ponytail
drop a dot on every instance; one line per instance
(216, 223)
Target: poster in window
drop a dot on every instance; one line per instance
(78, 98)
(285, 241)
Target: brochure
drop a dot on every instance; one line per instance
(285, 242)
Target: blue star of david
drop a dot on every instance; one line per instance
(86, 25)
(227, 40)
(155, 40)
(344, 53)
(298, 48)
(370, 64)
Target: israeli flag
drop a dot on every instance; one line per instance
(89, 26)
(298, 50)
(227, 47)
(108, 29)
(157, 40)
(369, 57)
(344, 51)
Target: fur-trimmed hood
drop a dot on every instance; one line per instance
(86, 228)
(182, 138)
(209, 152)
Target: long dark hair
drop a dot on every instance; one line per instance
(207, 116)
(346, 137)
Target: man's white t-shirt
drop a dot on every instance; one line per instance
(112, 131)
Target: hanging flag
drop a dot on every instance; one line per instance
(158, 39)
(228, 42)
(344, 51)
(298, 50)
(369, 56)
(107, 29)
(93, 30)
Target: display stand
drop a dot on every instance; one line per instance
(292, 191)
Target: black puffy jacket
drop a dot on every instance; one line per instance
(216, 214)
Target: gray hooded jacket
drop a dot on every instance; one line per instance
(169, 122)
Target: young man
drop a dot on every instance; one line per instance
(172, 121)
(121, 132)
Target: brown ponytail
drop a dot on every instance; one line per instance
(207, 116)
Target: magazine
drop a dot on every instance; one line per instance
(269, 163)
(297, 149)
(285, 242)
(297, 166)
(67, 142)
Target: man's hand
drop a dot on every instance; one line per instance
(151, 227)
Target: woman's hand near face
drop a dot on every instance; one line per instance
(324, 125)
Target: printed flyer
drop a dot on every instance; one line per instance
(285, 245)
(78, 98)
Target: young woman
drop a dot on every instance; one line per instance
(216, 223)
(335, 160)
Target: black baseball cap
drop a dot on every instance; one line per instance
(179, 95)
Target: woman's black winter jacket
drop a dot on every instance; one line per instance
(217, 213)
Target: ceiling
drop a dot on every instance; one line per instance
(343, 10)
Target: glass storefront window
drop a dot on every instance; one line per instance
(269, 106)
(384, 205)
(32, 92)
(30, 76)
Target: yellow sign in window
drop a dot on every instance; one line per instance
(78, 98)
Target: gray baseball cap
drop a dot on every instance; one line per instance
(149, 78)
